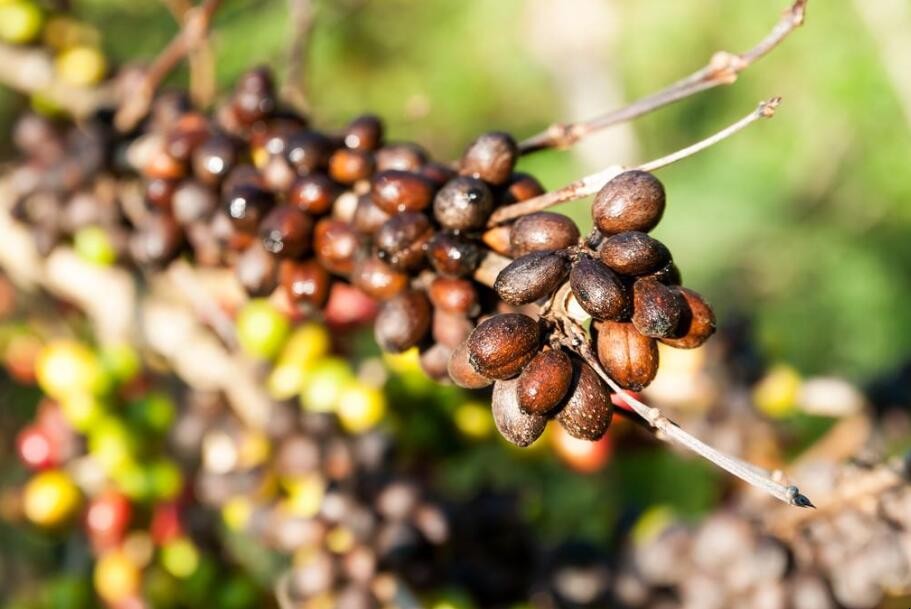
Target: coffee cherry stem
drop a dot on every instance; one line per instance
(574, 337)
(723, 68)
(591, 184)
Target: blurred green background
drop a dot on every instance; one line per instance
(800, 222)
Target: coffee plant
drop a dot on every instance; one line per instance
(187, 285)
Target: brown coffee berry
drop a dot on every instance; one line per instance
(531, 277)
(394, 190)
(367, 217)
(503, 344)
(347, 166)
(246, 206)
(286, 231)
(634, 200)
(669, 274)
(257, 270)
(402, 240)
(497, 239)
(314, 193)
(657, 308)
(462, 372)
(491, 157)
(628, 357)
(377, 279)
(634, 253)
(335, 244)
(450, 329)
(402, 322)
(364, 133)
(157, 240)
(254, 96)
(437, 173)
(463, 204)
(404, 156)
(307, 152)
(586, 412)
(598, 290)
(521, 187)
(214, 159)
(544, 381)
(192, 202)
(453, 255)
(456, 296)
(697, 322)
(516, 425)
(542, 231)
(305, 283)
(434, 362)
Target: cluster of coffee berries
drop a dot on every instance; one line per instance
(621, 277)
(854, 556)
(301, 215)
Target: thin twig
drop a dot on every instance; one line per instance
(294, 90)
(195, 29)
(576, 339)
(591, 184)
(722, 69)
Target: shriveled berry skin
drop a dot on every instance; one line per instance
(697, 321)
(598, 290)
(656, 308)
(453, 255)
(402, 239)
(286, 231)
(456, 296)
(402, 322)
(542, 231)
(503, 344)
(377, 279)
(305, 283)
(628, 357)
(531, 277)
(463, 204)
(587, 410)
(462, 372)
(491, 157)
(394, 190)
(545, 381)
(335, 244)
(514, 424)
(634, 253)
(634, 200)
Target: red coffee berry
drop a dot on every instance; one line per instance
(305, 283)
